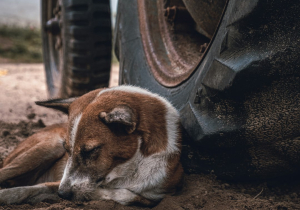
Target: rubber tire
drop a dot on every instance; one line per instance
(240, 106)
(87, 44)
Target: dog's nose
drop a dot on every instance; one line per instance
(65, 194)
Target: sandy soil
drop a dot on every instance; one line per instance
(22, 84)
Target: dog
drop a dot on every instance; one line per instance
(120, 144)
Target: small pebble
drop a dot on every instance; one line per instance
(31, 116)
(41, 123)
(5, 133)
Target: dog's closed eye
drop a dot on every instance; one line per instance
(88, 151)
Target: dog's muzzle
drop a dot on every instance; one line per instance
(68, 195)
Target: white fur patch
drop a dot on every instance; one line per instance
(141, 175)
(66, 171)
(74, 129)
(172, 119)
(122, 196)
(73, 133)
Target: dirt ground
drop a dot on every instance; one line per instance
(22, 84)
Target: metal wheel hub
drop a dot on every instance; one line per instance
(54, 25)
(175, 37)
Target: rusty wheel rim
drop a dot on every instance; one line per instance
(172, 43)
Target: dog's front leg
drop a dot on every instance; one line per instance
(124, 197)
(30, 194)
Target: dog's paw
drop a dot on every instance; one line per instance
(53, 198)
(28, 194)
(11, 196)
(125, 197)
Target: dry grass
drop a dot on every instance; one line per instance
(20, 44)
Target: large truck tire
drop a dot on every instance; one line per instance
(237, 88)
(76, 45)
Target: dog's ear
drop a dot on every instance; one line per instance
(58, 104)
(121, 114)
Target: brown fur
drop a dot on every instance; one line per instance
(28, 162)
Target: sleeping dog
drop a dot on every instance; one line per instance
(120, 144)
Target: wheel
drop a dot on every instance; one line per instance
(235, 81)
(76, 45)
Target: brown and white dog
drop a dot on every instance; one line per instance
(120, 144)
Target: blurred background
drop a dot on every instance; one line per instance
(22, 75)
(20, 36)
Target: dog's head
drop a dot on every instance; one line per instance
(105, 130)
